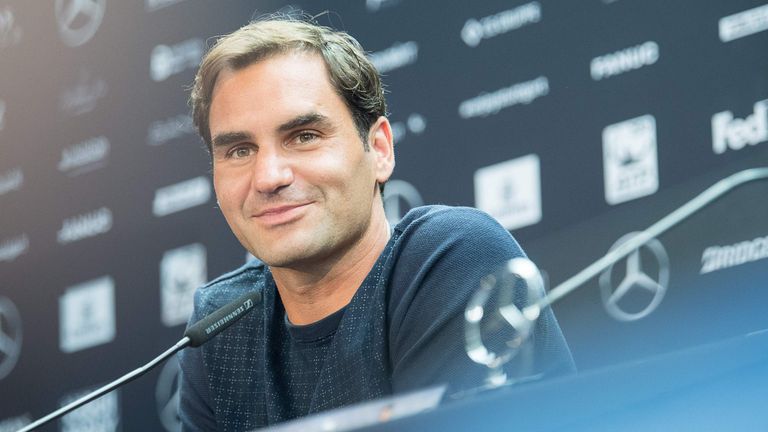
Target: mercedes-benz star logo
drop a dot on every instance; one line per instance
(636, 280)
(10, 336)
(397, 192)
(79, 19)
(167, 395)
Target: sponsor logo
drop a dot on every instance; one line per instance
(181, 196)
(83, 96)
(376, 5)
(475, 30)
(2, 114)
(248, 304)
(10, 336)
(162, 131)
(400, 197)
(11, 180)
(13, 424)
(722, 257)
(630, 162)
(623, 61)
(395, 57)
(85, 225)
(99, 415)
(167, 395)
(84, 157)
(87, 315)
(638, 294)
(735, 133)
(743, 24)
(78, 20)
(491, 103)
(170, 60)
(182, 270)
(415, 124)
(10, 32)
(12, 248)
(153, 5)
(511, 191)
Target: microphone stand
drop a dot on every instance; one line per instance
(183, 343)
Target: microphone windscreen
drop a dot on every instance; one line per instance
(216, 322)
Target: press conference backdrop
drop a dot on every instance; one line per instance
(572, 123)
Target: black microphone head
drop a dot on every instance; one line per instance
(216, 322)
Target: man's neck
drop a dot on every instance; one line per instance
(310, 295)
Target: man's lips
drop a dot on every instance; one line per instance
(281, 213)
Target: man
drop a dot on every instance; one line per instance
(353, 309)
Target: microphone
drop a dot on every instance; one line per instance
(196, 335)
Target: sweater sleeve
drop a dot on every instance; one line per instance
(444, 254)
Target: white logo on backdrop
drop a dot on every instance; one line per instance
(85, 156)
(400, 197)
(475, 30)
(182, 270)
(491, 103)
(167, 395)
(722, 257)
(170, 60)
(10, 32)
(376, 5)
(78, 20)
(83, 96)
(511, 191)
(395, 57)
(2, 114)
(153, 5)
(87, 315)
(181, 196)
(11, 248)
(636, 279)
(162, 131)
(415, 124)
(743, 24)
(11, 180)
(630, 161)
(85, 225)
(623, 61)
(10, 336)
(99, 415)
(735, 133)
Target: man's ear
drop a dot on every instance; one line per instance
(383, 146)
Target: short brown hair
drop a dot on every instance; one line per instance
(353, 76)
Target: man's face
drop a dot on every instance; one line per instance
(290, 171)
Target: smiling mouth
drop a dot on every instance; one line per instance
(279, 215)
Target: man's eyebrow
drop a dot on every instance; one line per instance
(228, 138)
(312, 118)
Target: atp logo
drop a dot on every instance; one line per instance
(643, 286)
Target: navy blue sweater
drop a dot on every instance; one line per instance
(402, 330)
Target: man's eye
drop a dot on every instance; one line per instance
(306, 137)
(241, 152)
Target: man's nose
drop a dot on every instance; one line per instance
(272, 171)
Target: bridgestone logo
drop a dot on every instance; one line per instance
(625, 60)
(516, 94)
(723, 257)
